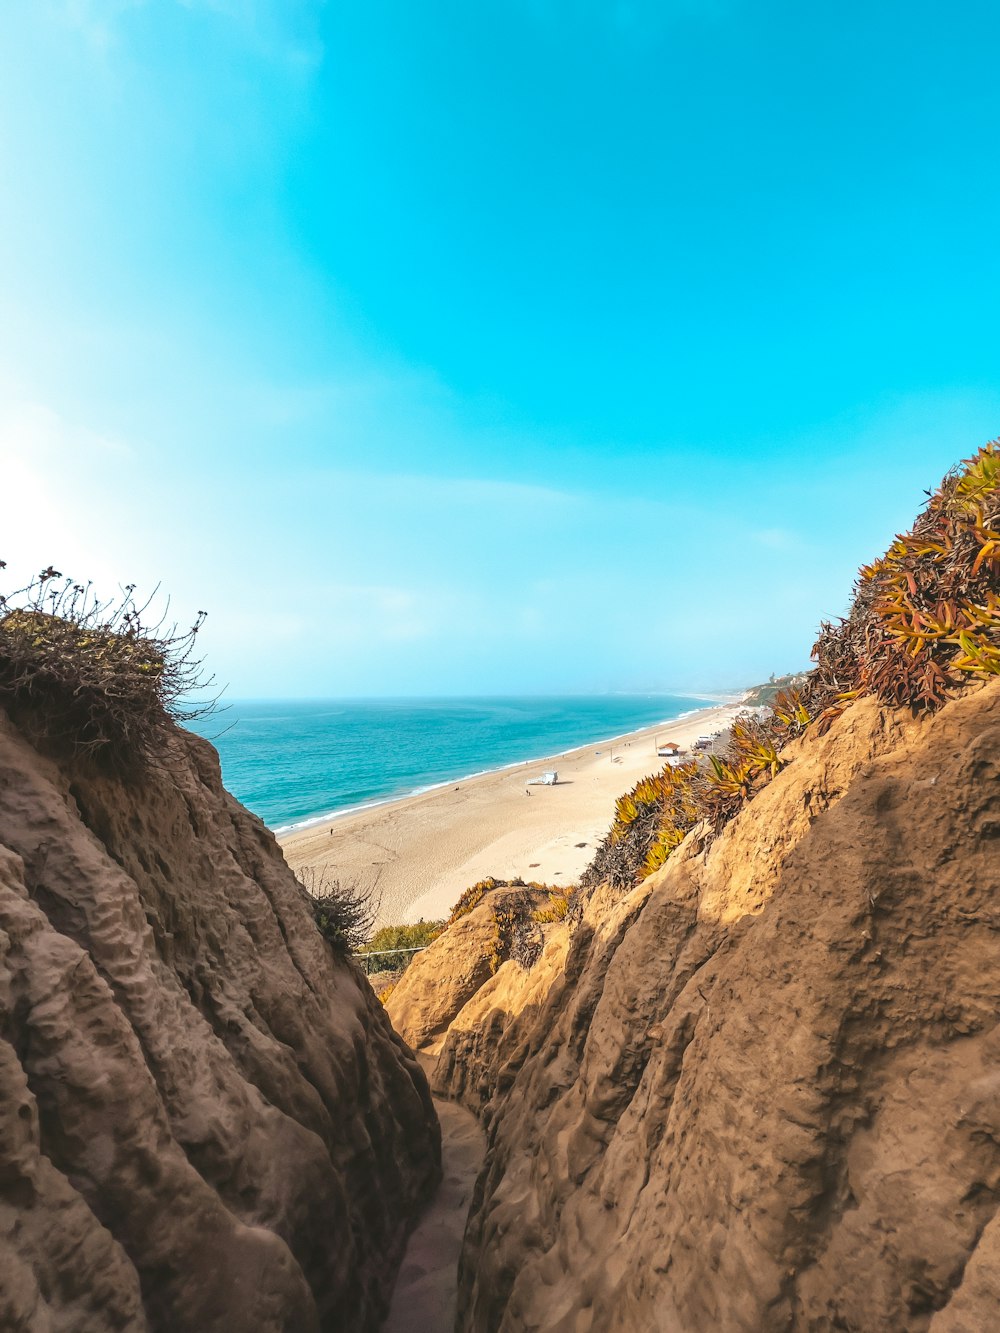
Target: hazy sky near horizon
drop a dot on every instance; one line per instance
(531, 346)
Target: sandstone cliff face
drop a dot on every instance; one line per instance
(440, 981)
(206, 1120)
(763, 1093)
(472, 1064)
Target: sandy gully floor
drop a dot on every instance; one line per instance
(425, 1295)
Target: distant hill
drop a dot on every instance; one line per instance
(764, 694)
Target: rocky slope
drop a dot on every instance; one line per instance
(762, 1092)
(441, 980)
(206, 1120)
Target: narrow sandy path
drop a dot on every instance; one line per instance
(425, 1295)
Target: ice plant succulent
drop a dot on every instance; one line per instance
(926, 615)
(925, 620)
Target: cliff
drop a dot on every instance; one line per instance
(759, 1090)
(206, 1120)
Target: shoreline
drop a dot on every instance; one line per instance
(312, 823)
(422, 850)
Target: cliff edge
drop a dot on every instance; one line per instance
(206, 1120)
(752, 1081)
(760, 1090)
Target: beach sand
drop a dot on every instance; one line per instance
(424, 851)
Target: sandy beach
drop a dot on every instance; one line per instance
(424, 850)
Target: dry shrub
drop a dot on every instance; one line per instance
(527, 944)
(515, 935)
(344, 912)
(474, 895)
(517, 922)
(91, 677)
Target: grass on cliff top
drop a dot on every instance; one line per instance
(92, 677)
(345, 912)
(924, 622)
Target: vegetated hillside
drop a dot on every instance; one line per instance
(768, 690)
(206, 1120)
(753, 1086)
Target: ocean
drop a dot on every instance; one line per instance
(297, 762)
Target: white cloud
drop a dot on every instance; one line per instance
(379, 614)
(32, 430)
(481, 491)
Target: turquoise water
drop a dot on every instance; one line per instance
(294, 762)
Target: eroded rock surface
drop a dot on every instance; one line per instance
(441, 980)
(763, 1091)
(434, 988)
(206, 1120)
(471, 1064)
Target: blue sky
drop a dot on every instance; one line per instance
(472, 348)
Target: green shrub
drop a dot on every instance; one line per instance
(516, 919)
(405, 937)
(555, 910)
(384, 941)
(926, 616)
